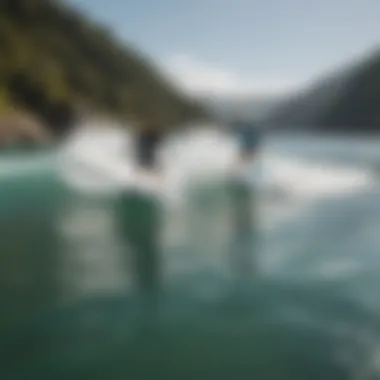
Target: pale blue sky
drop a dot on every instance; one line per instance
(255, 44)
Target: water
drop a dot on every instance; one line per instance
(66, 283)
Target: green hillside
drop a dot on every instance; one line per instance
(346, 100)
(55, 62)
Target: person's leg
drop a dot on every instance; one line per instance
(243, 254)
(140, 220)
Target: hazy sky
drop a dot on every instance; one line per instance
(235, 46)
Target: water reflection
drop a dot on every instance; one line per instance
(91, 258)
(73, 272)
(28, 249)
(244, 246)
(274, 331)
(140, 227)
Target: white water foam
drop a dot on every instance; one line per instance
(310, 181)
(100, 160)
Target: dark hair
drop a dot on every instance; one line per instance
(147, 142)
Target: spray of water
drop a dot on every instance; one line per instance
(100, 160)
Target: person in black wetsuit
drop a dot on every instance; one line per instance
(141, 218)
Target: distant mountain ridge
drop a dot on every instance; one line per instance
(344, 100)
(254, 108)
(347, 99)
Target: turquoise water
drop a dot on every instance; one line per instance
(70, 309)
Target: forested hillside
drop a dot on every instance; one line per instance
(55, 62)
(348, 100)
(358, 107)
